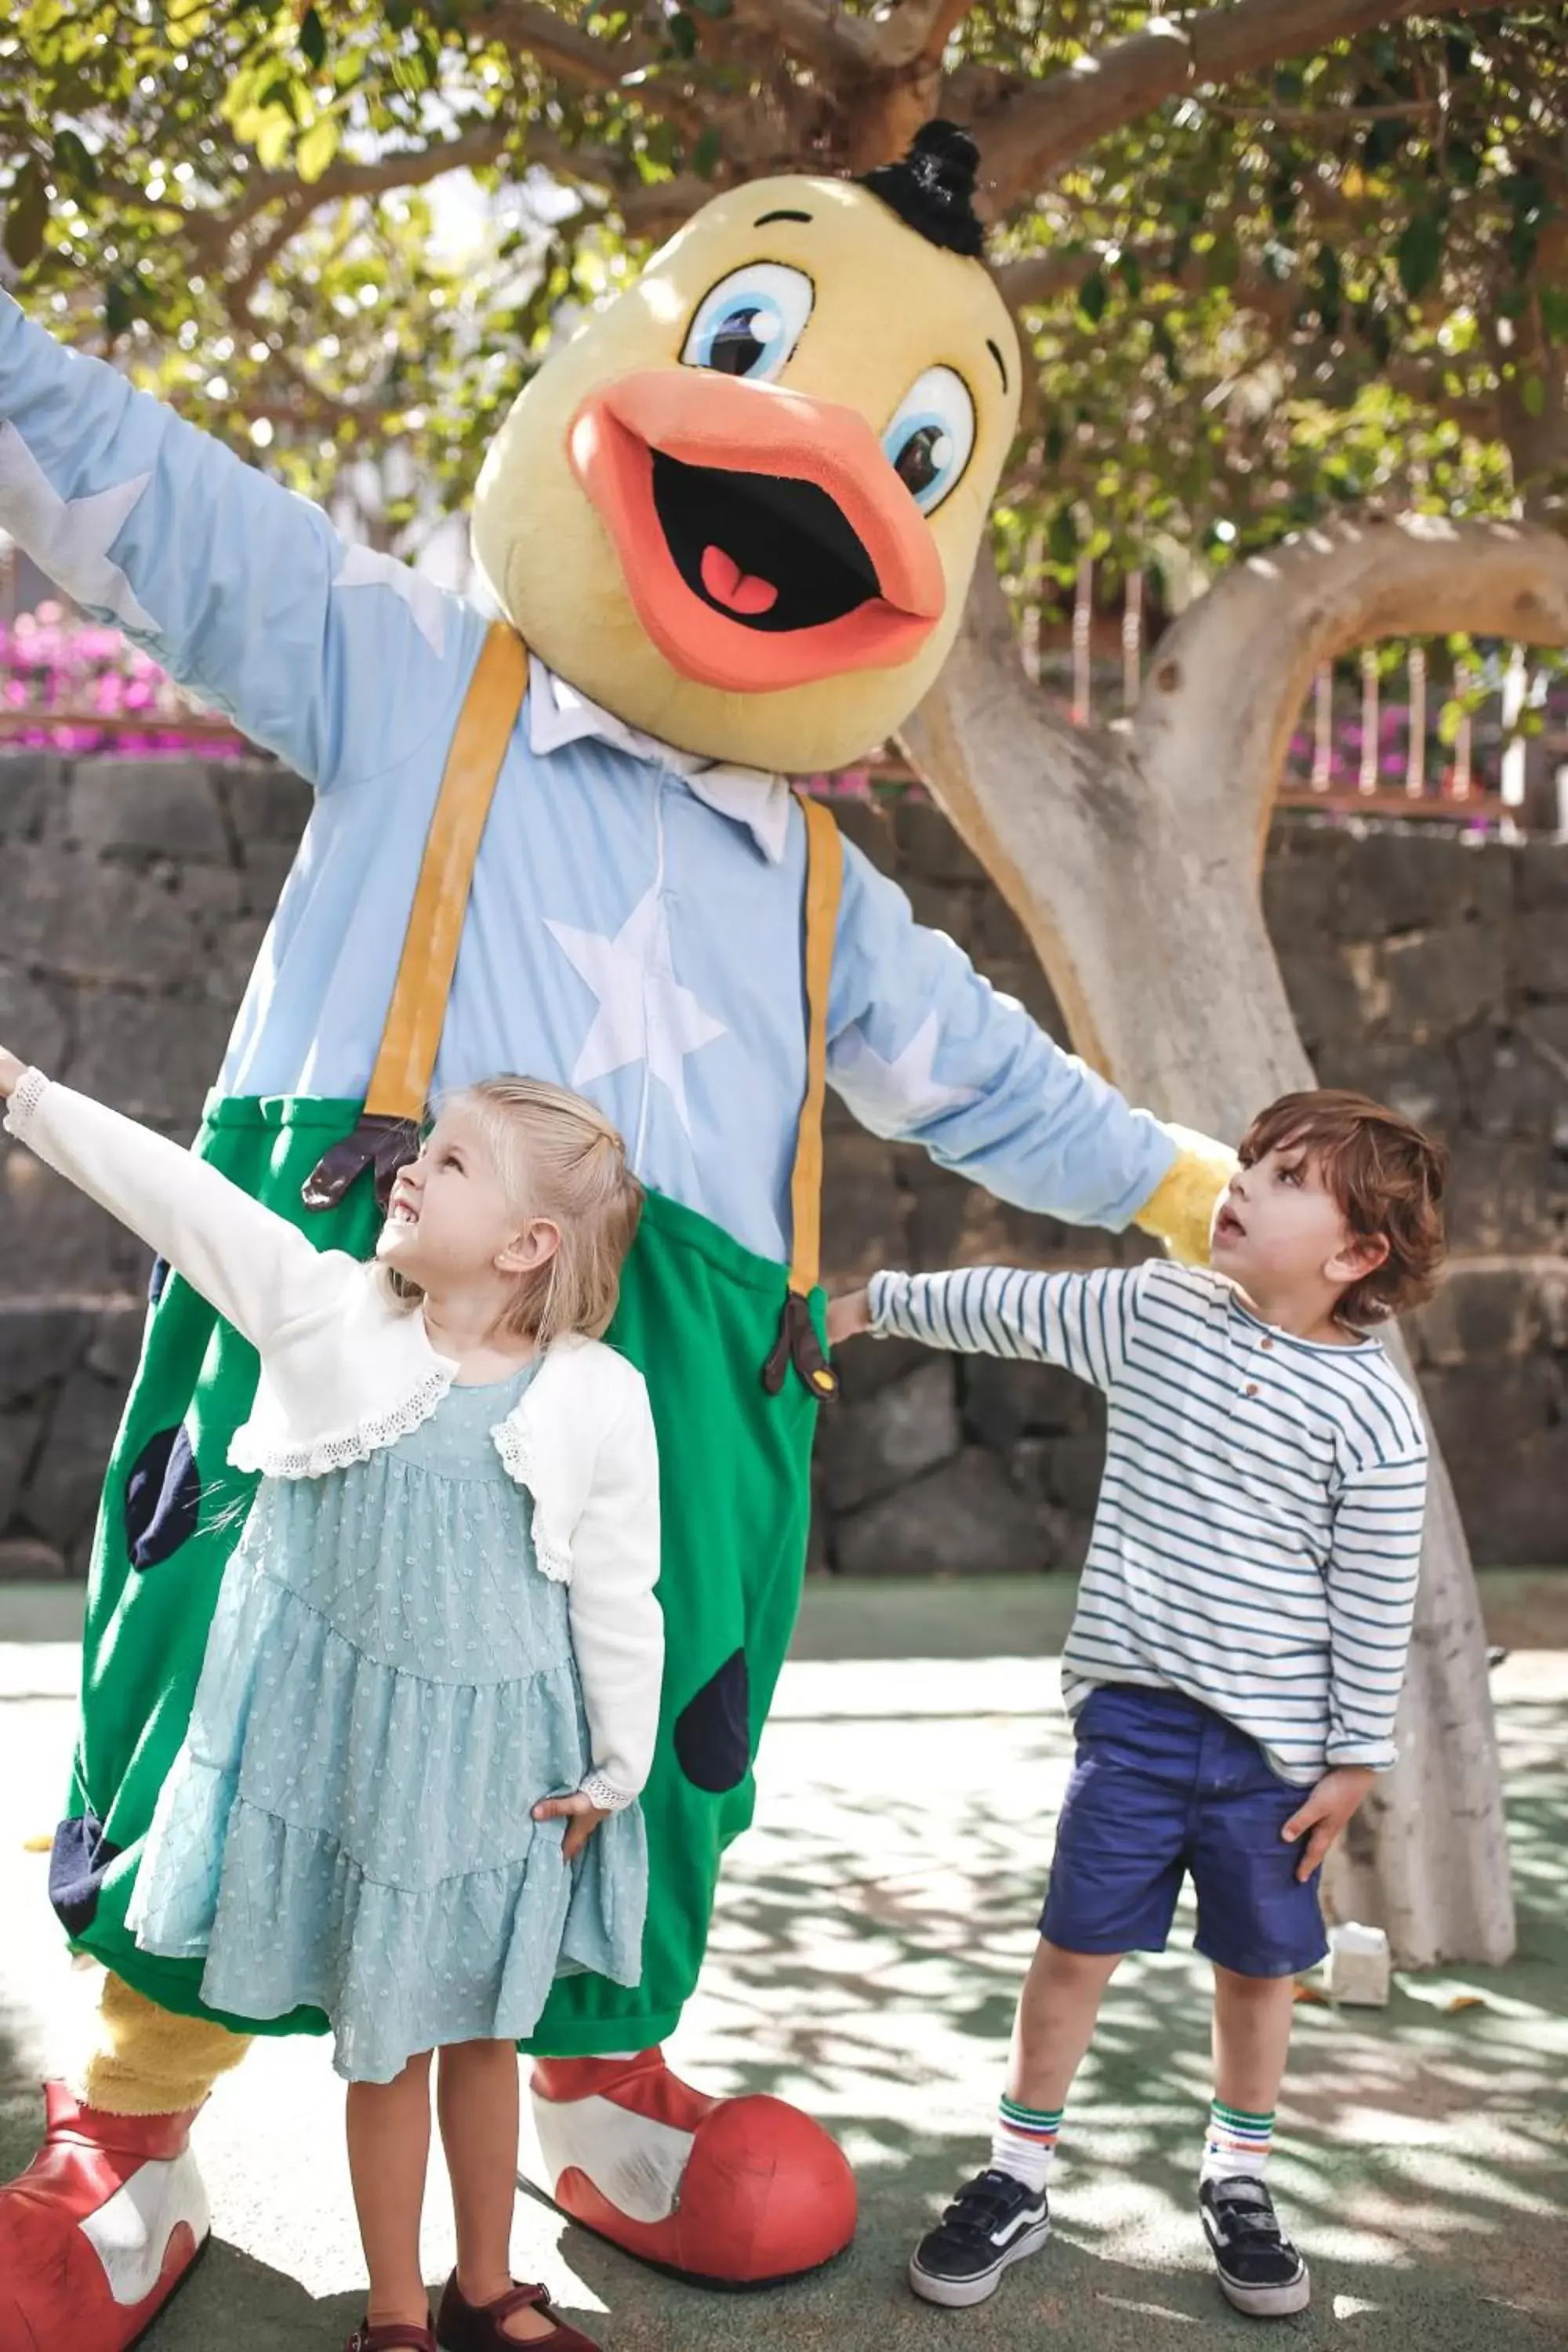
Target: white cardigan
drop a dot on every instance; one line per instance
(345, 1371)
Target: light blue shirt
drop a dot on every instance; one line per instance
(635, 924)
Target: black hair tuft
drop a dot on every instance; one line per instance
(933, 190)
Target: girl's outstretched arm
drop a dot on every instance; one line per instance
(248, 1262)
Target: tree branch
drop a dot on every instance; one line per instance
(398, 167)
(917, 33)
(561, 46)
(1261, 634)
(1025, 137)
(818, 32)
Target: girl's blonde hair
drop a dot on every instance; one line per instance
(557, 1158)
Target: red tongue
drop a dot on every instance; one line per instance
(742, 592)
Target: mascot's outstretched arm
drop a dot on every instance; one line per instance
(344, 662)
(924, 1049)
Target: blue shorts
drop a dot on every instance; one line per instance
(1162, 1786)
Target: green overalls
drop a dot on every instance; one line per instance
(717, 1331)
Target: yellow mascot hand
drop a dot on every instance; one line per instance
(1181, 1210)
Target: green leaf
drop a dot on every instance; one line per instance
(682, 31)
(27, 217)
(1130, 273)
(706, 154)
(314, 39)
(1062, 540)
(1419, 255)
(1553, 300)
(272, 138)
(121, 304)
(1222, 263)
(1533, 394)
(74, 161)
(1327, 291)
(1284, 196)
(712, 7)
(317, 147)
(1383, 141)
(1091, 296)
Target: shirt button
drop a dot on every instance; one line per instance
(1252, 1388)
(1266, 1343)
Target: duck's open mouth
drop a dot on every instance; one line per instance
(763, 537)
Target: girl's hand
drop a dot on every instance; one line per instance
(586, 1817)
(11, 1071)
(848, 1316)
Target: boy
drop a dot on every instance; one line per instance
(1242, 1627)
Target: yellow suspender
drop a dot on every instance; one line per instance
(798, 1341)
(400, 1082)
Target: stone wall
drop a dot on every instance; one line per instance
(1431, 971)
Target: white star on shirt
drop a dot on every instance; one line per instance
(70, 538)
(891, 1097)
(370, 567)
(645, 1014)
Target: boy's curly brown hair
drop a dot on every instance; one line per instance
(1387, 1176)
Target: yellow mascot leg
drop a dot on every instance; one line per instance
(150, 2062)
(110, 2217)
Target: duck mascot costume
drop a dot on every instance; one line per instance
(729, 528)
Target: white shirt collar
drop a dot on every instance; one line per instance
(558, 714)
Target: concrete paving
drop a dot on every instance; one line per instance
(871, 1935)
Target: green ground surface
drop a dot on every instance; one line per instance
(872, 1931)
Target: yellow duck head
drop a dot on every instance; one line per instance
(740, 509)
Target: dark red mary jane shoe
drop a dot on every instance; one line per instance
(393, 2335)
(465, 2327)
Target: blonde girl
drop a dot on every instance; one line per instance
(408, 1794)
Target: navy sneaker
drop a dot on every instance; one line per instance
(1258, 2268)
(992, 2223)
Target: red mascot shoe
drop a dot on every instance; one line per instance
(720, 2192)
(100, 2231)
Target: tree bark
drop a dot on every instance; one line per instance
(1133, 860)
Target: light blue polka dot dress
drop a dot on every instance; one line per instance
(389, 1690)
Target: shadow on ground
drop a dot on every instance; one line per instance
(871, 1937)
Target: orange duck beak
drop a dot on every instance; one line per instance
(764, 539)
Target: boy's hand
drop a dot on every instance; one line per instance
(1338, 1795)
(848, 1316)
(586, 1817)
(11, 1071)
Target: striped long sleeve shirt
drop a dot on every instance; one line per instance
(1259, 1533)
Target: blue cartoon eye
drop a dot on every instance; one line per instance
(751, 322)
(930, 440)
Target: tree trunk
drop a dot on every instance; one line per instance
(1134, 859)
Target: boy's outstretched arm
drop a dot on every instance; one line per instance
(1080, 1321)
(252, 1266)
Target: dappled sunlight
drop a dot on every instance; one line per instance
(873, 1933)
(892, 1884)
